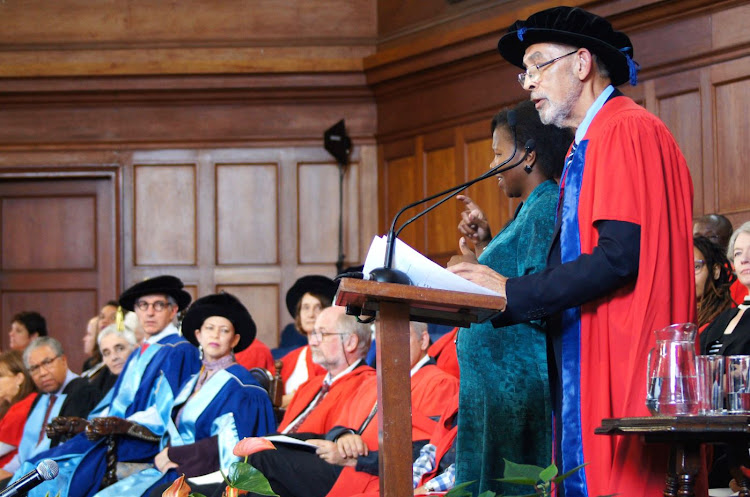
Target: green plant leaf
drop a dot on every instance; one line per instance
(487, 493)
(245, 477)
(567, 474)
(196, 494)
(458, 490)
(548, 473)
(526, 471)
(519, 481)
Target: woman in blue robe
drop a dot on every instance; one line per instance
(504, 405)
(220, 405)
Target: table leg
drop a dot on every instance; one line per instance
(670, 486)
(685, 468)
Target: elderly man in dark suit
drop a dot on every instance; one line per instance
(63, 393)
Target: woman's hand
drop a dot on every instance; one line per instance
(474, 225)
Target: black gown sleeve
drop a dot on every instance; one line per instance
(612, 265)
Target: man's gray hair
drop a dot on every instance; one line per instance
(745, 228)
(348, 325)
(418, 328)
(50, 342)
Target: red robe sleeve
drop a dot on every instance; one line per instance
(257, 355)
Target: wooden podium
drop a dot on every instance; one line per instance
(396, 305)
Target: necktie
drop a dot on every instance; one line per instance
(144, 346)
(568, 162)
(323, 391)
(42, 432)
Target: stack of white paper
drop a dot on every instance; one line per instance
(422, 271)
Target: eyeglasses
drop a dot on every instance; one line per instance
(533, 73)
(320, 336)
(158, 306)
(699, 265)
(45, 364)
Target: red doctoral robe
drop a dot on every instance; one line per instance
(431, 388)
(634, 172)
(338, 408)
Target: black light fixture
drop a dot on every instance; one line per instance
(339, 145)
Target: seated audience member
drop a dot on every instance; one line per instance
(356, 451)
(444, 352)
(25, 327)
(61, 393)
(305, 300)
(137, 410)
(343, 396)
(257, 355)
(713, 279)
(108, 314)
(17, 392)
(115, 346)
(93, 357)
(216, 408)
(434, 469)
(718, 229)
(729, 333)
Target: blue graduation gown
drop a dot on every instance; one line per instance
(230, 405)
(147, 385)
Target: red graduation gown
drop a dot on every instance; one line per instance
(634, 172)
(444, 352)
(257, 355)
(337, 408)
(431, 388)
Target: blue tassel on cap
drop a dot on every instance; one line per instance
(633, 67)
(521, 32)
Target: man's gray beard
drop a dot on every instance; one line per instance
(559, 114)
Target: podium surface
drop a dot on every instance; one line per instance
(396, 305)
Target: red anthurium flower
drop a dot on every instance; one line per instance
(251, 445)
(178, 488)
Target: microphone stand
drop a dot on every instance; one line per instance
(389, 275)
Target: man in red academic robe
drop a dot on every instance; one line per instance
(621, 263)
(431, 389)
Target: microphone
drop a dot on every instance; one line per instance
(46, 470)
(387, 273)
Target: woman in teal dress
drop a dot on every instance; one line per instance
(504, 406)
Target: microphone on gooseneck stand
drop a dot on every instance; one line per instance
(46, 470)
(387, 274)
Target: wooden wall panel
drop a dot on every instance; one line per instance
(732, 145)
(487, 193)
(317, 223)
(130, 21)
(403, 183)
(247, 214)
(29, 223)
(688, 133)
(41, 269)
(440, 174)
(165, 215)
(263, 303)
